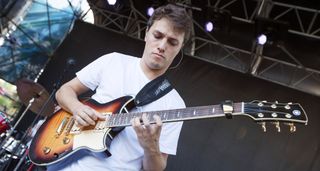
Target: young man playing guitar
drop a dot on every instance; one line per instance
(143, 146)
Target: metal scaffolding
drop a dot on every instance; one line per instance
(131, 21)
(290, 74)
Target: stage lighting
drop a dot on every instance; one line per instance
(150, 11)
(209, 26)
(275, 31)
(112, 2)
(262, 39)
(215, 19)
(151, 5)
(119, 6)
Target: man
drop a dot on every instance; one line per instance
(143, 146)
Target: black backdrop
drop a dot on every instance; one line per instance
(211, 144)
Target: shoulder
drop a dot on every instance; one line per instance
(115, 56)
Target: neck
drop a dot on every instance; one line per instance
(151, 73)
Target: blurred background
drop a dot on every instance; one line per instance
(241, 50)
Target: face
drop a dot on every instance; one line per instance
(163, 43)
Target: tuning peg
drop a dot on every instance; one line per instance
(288, 105)
(263, 126)
(293, 128)
(277, 125)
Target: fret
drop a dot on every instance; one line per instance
(152, 114)
(124, 119)
(108, 121)
(202, 112)
(105, 123)
(189, 112)
(127, 119)
(117, 118)
(175, 114)
(149, 116)
(166, 115)
(137, 115)
(130, 117)
(133, 115)
(121, 119)
(172, 114)
(113, 119)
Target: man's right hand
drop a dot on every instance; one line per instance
(67, 97)
(85, 115)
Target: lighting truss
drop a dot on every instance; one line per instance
(307, 27)
(293, 75)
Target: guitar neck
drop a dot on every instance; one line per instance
(190, 113)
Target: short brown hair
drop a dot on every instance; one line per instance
(177, 15)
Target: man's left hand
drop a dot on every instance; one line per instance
(148, 134)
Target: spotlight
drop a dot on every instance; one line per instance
(214, 19)
(262, 39)
(275, 31)
(112, 2)
(118, 6)
(209, 26)
(150, 11)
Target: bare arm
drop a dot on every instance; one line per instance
(148, 136)
(67, 97)
(154, 161)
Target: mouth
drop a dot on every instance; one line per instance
(158, 55)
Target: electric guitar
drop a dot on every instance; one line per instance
(59, 137)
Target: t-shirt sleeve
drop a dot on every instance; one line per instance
(170, 131)
(90, 74)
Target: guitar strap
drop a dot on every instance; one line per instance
(152, 91)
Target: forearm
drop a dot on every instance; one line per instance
(67, 98)
(154, 161)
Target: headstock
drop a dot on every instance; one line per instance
(263, 111)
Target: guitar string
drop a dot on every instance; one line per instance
(169, 115)
(164, 115)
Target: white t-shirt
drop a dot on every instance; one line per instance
(112, 76)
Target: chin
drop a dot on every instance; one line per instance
(156, 66)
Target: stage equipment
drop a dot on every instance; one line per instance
(28, 90)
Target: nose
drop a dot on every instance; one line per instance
(161, 50)
(162, 46)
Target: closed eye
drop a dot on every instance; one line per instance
(171, 41)
(157, 35)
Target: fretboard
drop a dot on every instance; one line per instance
(190, 113)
